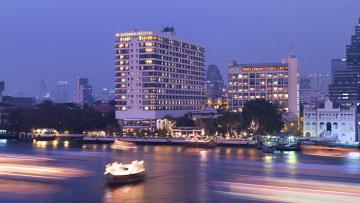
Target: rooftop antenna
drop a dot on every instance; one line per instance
(290, 49)
(291, 54)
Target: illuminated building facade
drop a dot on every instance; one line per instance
(157, 75)
(275, 82)
(326, 123)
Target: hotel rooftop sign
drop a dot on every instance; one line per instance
(264, 68)
(134, 33)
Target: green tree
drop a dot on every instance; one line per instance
(69, 117)
(230, 123)
(262, 117)
(182, 121)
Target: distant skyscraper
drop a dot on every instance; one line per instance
(157, 75)
(345, 88)
(62, 92)
(337, 65)
(44, 94)
(105, 95)
(2, 88)
(83, 91)
(314, 87)
(276, 82)
(214, 82)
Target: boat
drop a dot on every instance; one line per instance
(118, 173)
(268, 149)
(332, 151)
(97, 140)
(43, 134)
(123, 145)
(201, 141)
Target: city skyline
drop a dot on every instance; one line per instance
(62, 41)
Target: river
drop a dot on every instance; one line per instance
(58, 172)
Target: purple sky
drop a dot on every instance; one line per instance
(63, 39)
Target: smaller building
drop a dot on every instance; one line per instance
(83, 91)
(19, 102)
(330, 124)
(314, 88)
(187, 131)
(214, 82)
(275, 82)
(2, 88)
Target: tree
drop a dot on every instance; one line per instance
(262, 117)
(182, 121)
(230, 123)
(63, 117)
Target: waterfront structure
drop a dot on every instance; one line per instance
(214, 82)
(329, 123)
(276, 82)
(345, 88)
(337, 65)
(62, 91)
(314, 88)
(157, 75)
(83, 91)
(2, 88)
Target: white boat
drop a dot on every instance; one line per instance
(118, 173)
(123, 145)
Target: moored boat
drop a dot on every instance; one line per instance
(201, 141)
(118, 173)
(268, 149)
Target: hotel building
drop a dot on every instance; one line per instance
(157, 75)
(276, 82)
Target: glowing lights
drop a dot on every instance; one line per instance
(131, 34)
(33, 167)
(354, 155)
(66, 144)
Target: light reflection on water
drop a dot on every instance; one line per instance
(14, 188)
(125, 193)
(176, 174)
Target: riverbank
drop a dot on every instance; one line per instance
(166, 141)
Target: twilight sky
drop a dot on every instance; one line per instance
(62, 39)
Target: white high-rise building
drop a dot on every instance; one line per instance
(276, 82)
(157, 75)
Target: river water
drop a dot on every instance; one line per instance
(57, 172)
